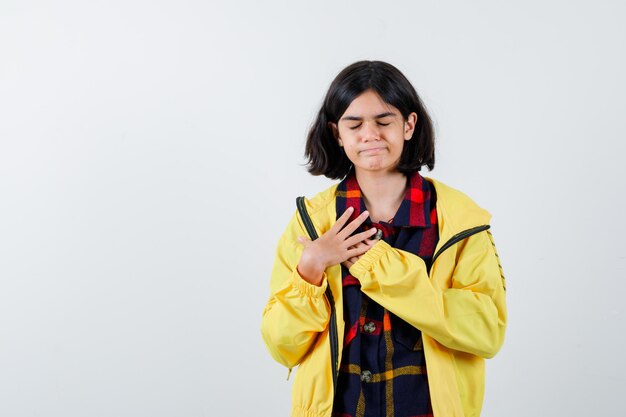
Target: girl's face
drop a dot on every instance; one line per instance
(372, 133)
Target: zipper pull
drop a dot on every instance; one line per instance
(288, 373)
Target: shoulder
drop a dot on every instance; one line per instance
(321, 208)
(453, 196)
(321, 200)
(457, 206)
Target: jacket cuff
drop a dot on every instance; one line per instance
(306, 288)
(367, 261)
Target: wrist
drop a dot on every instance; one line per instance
(311, 271)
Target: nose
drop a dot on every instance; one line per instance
(370, 131)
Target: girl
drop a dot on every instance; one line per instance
(392, 310)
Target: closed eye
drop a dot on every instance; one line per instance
(359, 125)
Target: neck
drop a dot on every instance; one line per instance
(382, 192)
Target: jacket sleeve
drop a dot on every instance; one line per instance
(470, 316)
(297, 311)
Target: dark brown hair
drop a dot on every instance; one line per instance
(323, 153)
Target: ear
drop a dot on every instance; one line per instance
(409, 126)
(333, 127)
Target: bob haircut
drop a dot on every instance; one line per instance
(326, 157)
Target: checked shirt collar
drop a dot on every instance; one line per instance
(411, 213)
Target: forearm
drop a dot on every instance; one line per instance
(460, 318)
(293, 317)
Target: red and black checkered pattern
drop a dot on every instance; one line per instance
(383, 370)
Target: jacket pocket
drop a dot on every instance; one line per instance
(405, 334)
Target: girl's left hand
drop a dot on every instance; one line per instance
(351, 261)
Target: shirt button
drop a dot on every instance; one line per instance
(369, 327)
(366, 376)
(378, 235)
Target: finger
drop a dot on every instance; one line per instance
(367, 243)
(342, 220)
(371, 242)
(360, 237)
(347, 264)
(353, 225)
(358, 251)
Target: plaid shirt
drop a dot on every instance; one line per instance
(383, 370)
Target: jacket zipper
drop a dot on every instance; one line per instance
(334, 345)
(458, 237)
(332, 325)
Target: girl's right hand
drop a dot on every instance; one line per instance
(333, 247)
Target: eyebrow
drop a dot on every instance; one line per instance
(378, 116)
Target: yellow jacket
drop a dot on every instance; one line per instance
(459, 307)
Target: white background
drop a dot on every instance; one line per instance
(150, 157)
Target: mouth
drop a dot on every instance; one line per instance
(373, 150)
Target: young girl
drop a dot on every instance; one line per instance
(392, 310)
